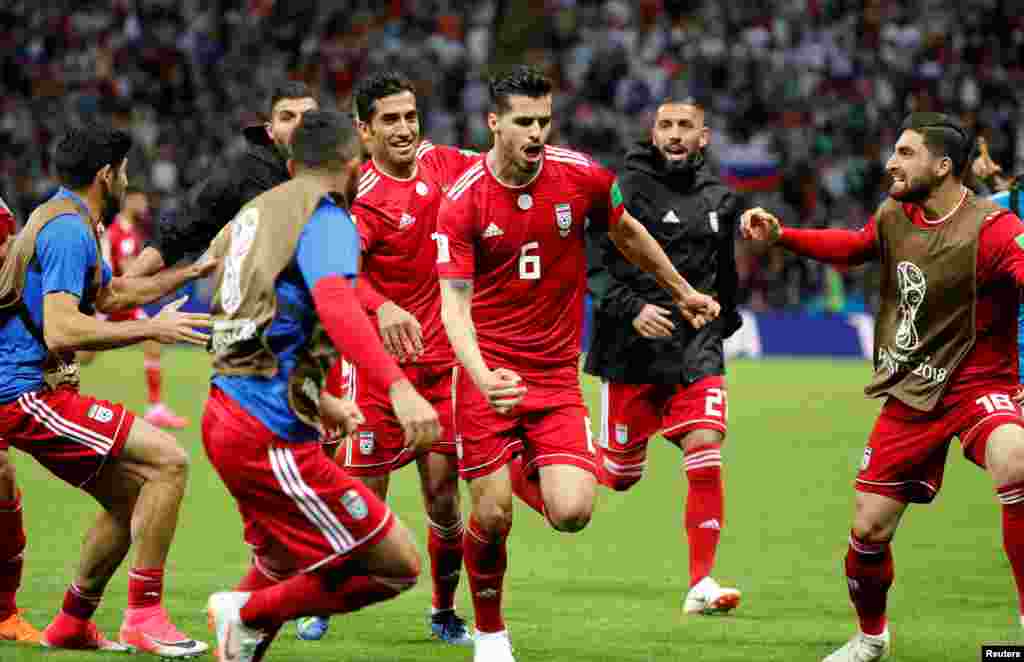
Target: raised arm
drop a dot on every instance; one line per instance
(841, 247)
(66, 328)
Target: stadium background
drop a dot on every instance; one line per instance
(804, 97)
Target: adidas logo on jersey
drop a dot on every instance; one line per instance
(710, 524)
(492, 231)
(405, 221)
(670, 217)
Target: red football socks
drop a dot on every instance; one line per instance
(486, 562)
(12, 548)
(1012, 499)
(314, 594)
(704, 508)
(444, 545)
(524, 488)
(255, 580)
(145, 587)
(153, 378)
(869, 574)
(80, 604)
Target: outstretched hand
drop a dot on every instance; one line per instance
(173, 326)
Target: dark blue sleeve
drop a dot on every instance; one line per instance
(328, 246)
(67, 255)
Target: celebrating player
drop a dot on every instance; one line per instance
(122, 243)
(657, 372)
(396, 214)
(52, 278)
(322, 542)
(217, 199)
(945, 352)
(511, 261)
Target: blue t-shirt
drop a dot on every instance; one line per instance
(328, 246)
(65, 261)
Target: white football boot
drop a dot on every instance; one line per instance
(707, 597)
(492, 647)
(863, 648)
(235, 641)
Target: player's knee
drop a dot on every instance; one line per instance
(1007, 464)
(173, 462)
(493, 520)
(702, 440)
(873, 530)
(570, 517)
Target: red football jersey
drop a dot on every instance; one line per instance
(124, 244)
(523, 249)
(397, 222)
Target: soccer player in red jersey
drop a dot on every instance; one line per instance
(396, 208)
(945, 352)
(122, 243)
(13, 627)
(512, 266)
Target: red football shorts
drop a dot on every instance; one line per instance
(71, 434)
(632, 413)
(300, 510)
(906, 453)
(550, 426)
(378, 447)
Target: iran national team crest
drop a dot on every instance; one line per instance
(563, 218)
(866, 460)
(355, 504)
(366, 442)
(621, 434)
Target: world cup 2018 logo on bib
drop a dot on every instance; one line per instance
(912, 286)
(563, 218)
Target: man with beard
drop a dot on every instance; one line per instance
(945, 352)
(50, 284)
(510, 255)
(216, 200)
(657, 372)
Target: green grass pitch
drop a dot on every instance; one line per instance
(612, 592)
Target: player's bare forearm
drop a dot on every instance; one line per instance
(66, 329)
(147, 263)
(126, 292)
(639, 247)
(456, 314)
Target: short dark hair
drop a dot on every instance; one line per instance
(522, 80)
(288, 89)
(377, 86)
(944, 136)
(83, 151)
(324, 139)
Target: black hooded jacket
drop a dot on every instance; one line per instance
(693, 216)
(213, 202)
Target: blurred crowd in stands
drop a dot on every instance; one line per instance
(804, 96)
